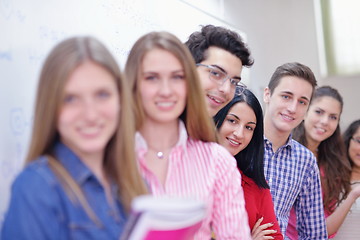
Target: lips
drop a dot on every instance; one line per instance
(233, 142)
(287, 117)
(165, 105)
(216, 100)
(90, 131)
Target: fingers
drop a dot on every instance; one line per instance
(261, 232)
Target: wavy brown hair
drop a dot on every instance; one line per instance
(331, 157)
(119, 160)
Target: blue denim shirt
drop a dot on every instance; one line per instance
(41, 209)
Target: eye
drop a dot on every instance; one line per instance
(103, 94)
(333, 117)
(285, 97)
(150, 76)
(250, 128)
(215, 74)
(178, 77)
(234, 81)
(302, 102)
(231, 120)
(70, 98)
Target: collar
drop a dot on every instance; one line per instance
(289, 142)
(141, 145)
(72, 163)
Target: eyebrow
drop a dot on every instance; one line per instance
(224, 71)
(302, 97)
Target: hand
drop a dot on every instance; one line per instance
(259, 232)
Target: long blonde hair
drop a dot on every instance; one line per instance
(119, 160)
(198, 123)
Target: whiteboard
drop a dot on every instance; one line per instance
(30, 28)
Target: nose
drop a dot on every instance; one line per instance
(225, 87)
(324, 119)
(165, 87)
(89, 110)
(239, 132)
(292, 106)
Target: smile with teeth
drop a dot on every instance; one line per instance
(320, 129)
(90, 130)
(232, 141)
(165, 104)
(287, 117)
(215, 100)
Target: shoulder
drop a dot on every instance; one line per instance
(35, 177)
(302, 152)
(212, 150)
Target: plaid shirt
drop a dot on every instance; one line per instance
(293, 176)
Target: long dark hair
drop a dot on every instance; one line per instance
(348, 134)
(251, 159)
(331, 157)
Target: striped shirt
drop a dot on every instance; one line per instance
(205, 171)
(293, 176)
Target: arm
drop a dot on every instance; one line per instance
(270, 228)
(309, 207)
(230, 219)
(334, 221)
(31, 214)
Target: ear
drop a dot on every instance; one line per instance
(267, 95)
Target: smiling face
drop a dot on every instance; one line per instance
(286, 105)
(218, 95)
(89, 110)
(322, 119)
(354, 149)
(238, 128)
(162, 87)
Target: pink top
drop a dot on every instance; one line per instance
(204, 171)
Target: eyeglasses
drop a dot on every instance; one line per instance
(357, 140)
(219, 76)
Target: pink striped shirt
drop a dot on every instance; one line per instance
(204, 171)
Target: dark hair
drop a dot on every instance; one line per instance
(251, 159)
(330, 157)
(209, 35)
(291, 69)
(348, 134)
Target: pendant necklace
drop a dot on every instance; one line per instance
(160, 155)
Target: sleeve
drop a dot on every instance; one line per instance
(32, 213)
(268, 213)
(309, 207)
(230, 219)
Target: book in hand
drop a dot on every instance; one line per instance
(160, 218)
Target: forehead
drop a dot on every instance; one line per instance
(243, 111)
(328, 104)
(296, 86)
(224, 59)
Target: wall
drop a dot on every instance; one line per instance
(29, 29)
(280, 31)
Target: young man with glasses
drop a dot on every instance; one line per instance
(219, 54)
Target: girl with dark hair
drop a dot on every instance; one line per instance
(349, 229)
(241, 132)
(320, 132)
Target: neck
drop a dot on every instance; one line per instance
(160, 137)
(355, 173)
(313, 146)
(277, 138)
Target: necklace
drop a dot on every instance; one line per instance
(160, 155)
